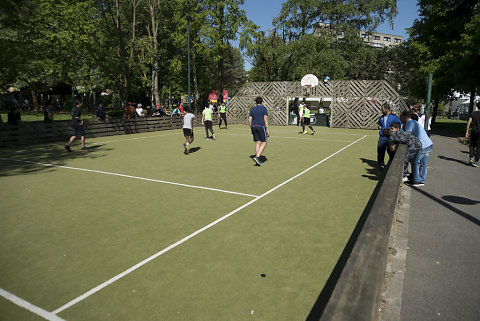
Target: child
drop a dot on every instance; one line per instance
(397, 136)
(188, 129)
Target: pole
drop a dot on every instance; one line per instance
(429, 97)
(188, 31)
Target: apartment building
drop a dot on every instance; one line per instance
(375, 39)
(380, 40)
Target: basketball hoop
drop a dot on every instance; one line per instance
(309, 81)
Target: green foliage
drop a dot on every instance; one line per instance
(299, 44)
(121, 46)
(115, 113)
(445, 41)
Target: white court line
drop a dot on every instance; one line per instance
(186, 238)
(28, 306)
(305, 138)
(128, 176)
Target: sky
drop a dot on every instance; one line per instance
(262, 12)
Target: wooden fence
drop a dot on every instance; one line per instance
(355, 103)
(26, 133)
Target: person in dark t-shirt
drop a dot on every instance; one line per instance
(474, 136)
(77, 126)
(258, 121)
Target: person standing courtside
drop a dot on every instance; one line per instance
(474, 136)
(385, 121)
(222, 114)
(420, 162)
(207, 122)
(77, 126)
(258, 121)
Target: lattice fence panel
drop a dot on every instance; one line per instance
(355, 104)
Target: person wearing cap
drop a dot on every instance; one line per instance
(139, 111)
(258, 121)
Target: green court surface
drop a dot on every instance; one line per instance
(133, 229)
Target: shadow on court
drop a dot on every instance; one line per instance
(262, 158)
(374, 173)
(29, 159)
(194, 149)
(322, 299)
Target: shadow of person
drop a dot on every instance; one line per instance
(262, 158)
(374, 172)
(459, 200)
(194, 149)
(453, 160)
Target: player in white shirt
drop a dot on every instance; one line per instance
(188, 130)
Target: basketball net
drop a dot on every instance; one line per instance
(309, 87)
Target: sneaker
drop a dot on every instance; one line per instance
(68, 149)
(313, 133)
(415, 184)
(471, 161)
(84, 148)
(207, 137)
(304, 133)
(475, 164)
(257, 160)
(405, 179)
(186, 148)
(213, 136)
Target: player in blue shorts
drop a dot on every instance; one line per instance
(258, 121)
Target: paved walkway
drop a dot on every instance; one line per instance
(442, 276)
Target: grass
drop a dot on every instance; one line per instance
(454, 127)
(29, 116)
(66, 231)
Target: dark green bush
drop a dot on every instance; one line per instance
(115, 113)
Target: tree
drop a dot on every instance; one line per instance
(224, 22)
(314, 36)
(445, 41)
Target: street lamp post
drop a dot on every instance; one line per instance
(189, 19)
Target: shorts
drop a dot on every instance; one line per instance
(78, 130)
(259, 133)
(187, 132)
(306, 120)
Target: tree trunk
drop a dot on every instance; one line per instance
(195, 83)
(34, 98)
(471, 107)
(153, 33)
(156, 91)
(122, 64)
